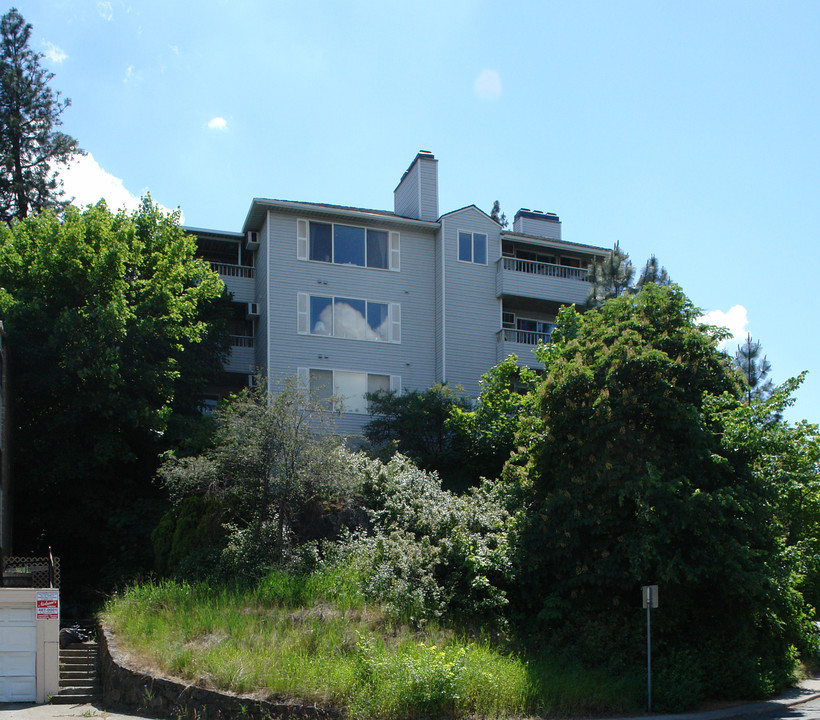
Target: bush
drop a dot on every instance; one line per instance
(431, 552)
(189, 538)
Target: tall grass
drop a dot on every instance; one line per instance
(315, 638)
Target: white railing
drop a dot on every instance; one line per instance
(242, 271)
(242, 341)
(523, 337)
(533, 267)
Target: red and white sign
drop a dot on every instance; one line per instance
(48, 605)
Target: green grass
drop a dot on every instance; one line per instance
(314, 638)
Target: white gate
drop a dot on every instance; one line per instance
(18, 653)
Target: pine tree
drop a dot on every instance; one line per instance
(611, 278)
(497, 215)
(30, 145)
(755, 369)
(653, 272)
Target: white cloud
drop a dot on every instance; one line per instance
(735, 320)
(88, 183)
(54, 53)
(106, 11)
(130, 74)
(487, 86)
(218, 123)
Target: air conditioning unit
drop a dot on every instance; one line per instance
(252, 240)
(252, 311)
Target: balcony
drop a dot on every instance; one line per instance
(520, 343)
(239, 279)
(541, 281)
(243, 354)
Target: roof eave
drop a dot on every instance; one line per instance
(260, 206)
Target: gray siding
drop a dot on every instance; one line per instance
(262, 279)
(429, 189)
(472, 310)
(243, 289)
(417, 193)
(241, 360)
(440, 328)
(523, 352)
(413, 288)
(542, 228)
(406, 195)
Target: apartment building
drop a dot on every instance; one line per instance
(353, 300)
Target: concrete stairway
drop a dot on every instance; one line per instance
(79, 674)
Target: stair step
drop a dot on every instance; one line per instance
(79, 676)
(74, 699)
(84, 683)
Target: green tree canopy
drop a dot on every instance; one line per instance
(30, 111)
(487, 432)
(417, 424)
(104, 315)
(639, 477)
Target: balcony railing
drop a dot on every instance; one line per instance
(541, 268)
(523, 337)
(242, 271)
(243, 341)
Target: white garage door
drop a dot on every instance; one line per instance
(18, 650)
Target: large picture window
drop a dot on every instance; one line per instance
(347, 245)
(343, 390)
(351, 318)
(472, 247)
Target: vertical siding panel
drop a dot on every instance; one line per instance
(472, 310)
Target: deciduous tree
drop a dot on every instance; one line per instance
(645, 473)
(416, 423)
(273, 458)
(104, 314)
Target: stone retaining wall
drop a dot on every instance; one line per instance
(125, 687)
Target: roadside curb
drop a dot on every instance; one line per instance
(802, 693)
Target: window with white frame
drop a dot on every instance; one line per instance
(472, 247)
(343, 390)
(344, 317)
(348, 245)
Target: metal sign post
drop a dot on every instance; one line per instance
(649, 594)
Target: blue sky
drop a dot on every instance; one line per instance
(688, 130)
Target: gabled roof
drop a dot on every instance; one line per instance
(468, 207)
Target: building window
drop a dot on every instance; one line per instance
(472, 247)
(350, 318)
(347, 245)
(345, 391)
